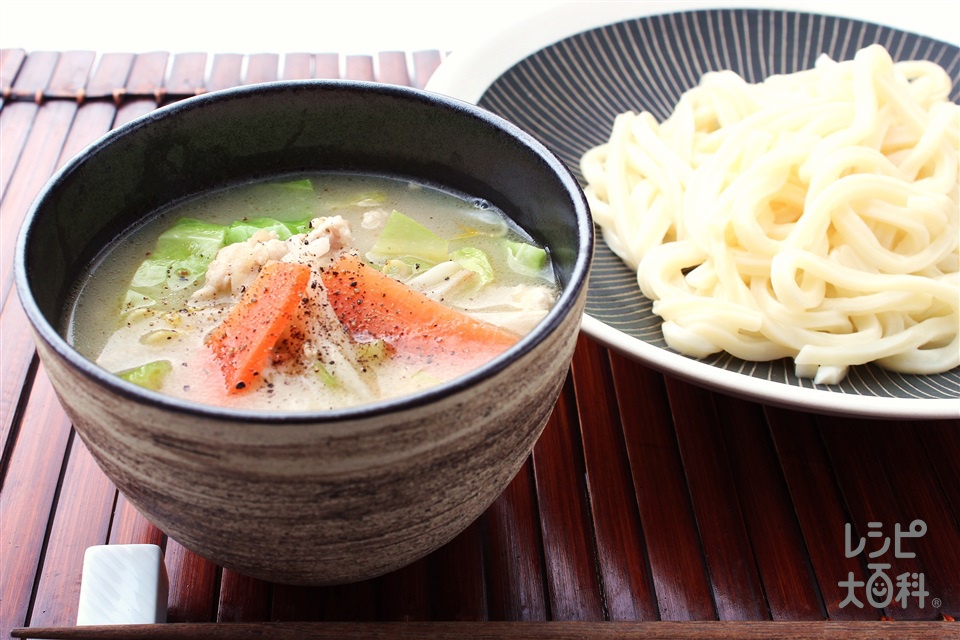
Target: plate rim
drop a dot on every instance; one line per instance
(467, 73)
(770, 392)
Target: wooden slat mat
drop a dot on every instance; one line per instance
(646, 499)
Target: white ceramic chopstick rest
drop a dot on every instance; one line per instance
(123, 584)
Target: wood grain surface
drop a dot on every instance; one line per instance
(649, 507)
(502, 631)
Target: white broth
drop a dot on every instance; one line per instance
(289, 294)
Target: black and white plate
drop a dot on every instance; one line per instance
(564, 75)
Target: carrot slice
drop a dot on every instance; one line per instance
(372, 304)
(242, 343)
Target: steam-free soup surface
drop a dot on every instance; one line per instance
(312, 292)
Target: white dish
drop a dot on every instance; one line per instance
(560, 76)
(123, 584)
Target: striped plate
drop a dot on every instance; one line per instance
(566, 91)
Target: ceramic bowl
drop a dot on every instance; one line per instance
(321, 497)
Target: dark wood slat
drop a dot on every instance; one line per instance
(34, 76)
(243, 599)
(130, 527)
(81, 520)
(788, 582)
(293, 603)
(297, 66)
(856, 456)
(360, 68)
(16, 360)
(194, 585)
(16, 120)
(146, 75)
(37, 163)
(393, 68)
(355, 602)
(405, 593)
(90, 122)
(515, 573)
(459, 567)
(262, 67)
(326, 65)
(941, 439)
(616, 520)
(507, 631)
(110, 76)
(187, 77)
(569, 554)
(929, 498)
(10, 62)
(71, 75)
(919, 495)
(670, 530)
(27, 498)
(737, 591)
(225, 71)
(425, 63)
(819, 507)
(132, 109)
(93, 120)
(84, 509)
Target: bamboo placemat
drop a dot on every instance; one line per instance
(646, 499)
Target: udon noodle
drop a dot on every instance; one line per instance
(813, 215)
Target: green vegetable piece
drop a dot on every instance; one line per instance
(179, 259)
(243, 230)
(151, 273)
(149, 376)
(475, 260)
(403, 236)
(299, 226)
(526, 258)
(372, 351)
(398, 269)
(190, 238)
(133, 301)
(405, 267)
(325, 376)
(157, 274)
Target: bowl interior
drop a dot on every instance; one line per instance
(226, 137)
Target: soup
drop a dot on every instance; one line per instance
(312, 292)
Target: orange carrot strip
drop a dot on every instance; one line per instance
(242, 343)
(371, 304)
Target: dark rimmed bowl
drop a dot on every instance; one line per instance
(319, 497)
